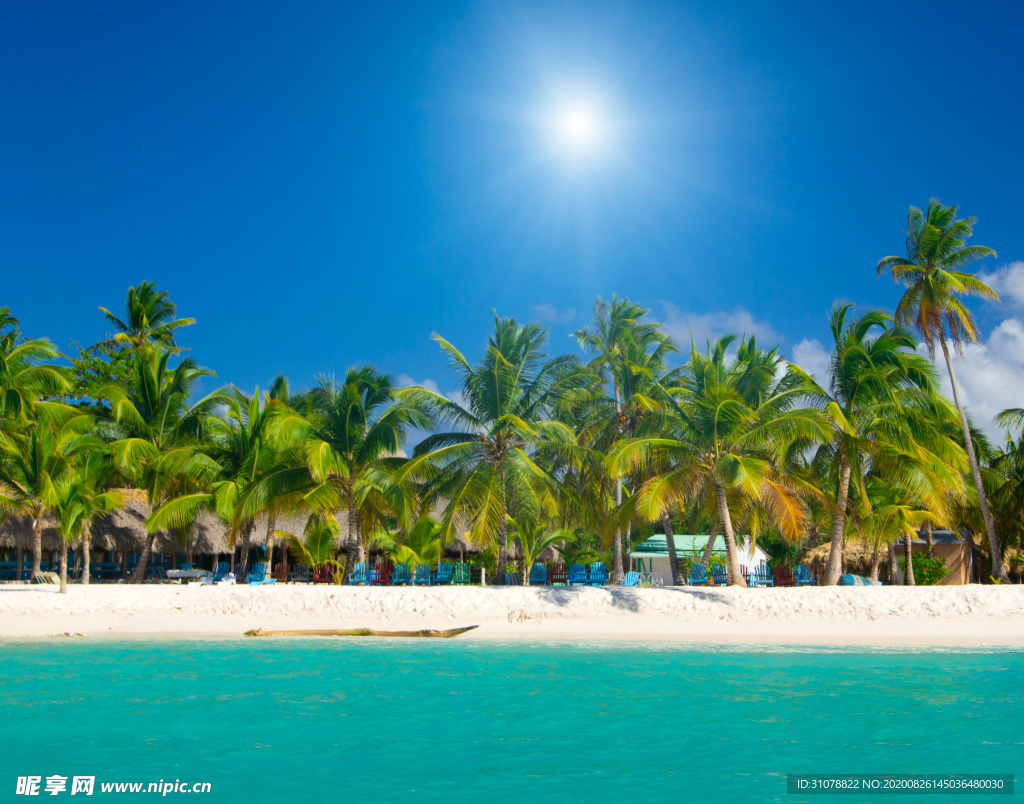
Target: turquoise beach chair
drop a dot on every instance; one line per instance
(598, 575)
(803, 576)
(511, 579)
(577, 575)
(223, 568)
(401, 574)
(422, 576)
(632, 579)
(443, 575)
(258, 575)
(360, 577)
(698, 575)
(539, 575)
(718, 575)
(762, 576)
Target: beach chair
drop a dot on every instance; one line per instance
(220, 573)
(803, 576)
(511, 579)
(717, 575)
(381, 574)
(461, 575)
(281, 572)
(421, 576)
(761, 576)
(401, 574)
(698, 575)
(538, 575)
(443, 575)
(258, 575)
(746, 575)
(241, 573)
(323, 574)
(598, 575)
(557, 575)
(360, 576)
(631, 578)
(783, 576)
(857, 580)
(577, 575)
(300, 573)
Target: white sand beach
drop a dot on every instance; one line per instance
(940, 616)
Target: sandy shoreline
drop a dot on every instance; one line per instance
(887, 616)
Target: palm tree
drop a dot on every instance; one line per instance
(352, 434)
(489, 465)
(630, 357)
(881, 407)
(731, 428)
(162, 437)
(932, 271)
(534, 538)
(317, 545)
(25, 377)
(149, 319)
(78, 497)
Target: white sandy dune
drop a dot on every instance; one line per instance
(968, 616)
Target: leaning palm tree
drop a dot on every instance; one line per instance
(149, 319)
(881, 407)
(351, 434)
(490, 464)
(731, 427)
(932, 271)
(162, 437)
(26, 376)
(534, 538)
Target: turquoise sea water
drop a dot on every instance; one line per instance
(450, 721)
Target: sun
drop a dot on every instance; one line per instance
(578, 129)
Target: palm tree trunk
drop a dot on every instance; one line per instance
(64, 569)
(893, 565)
(875, 560)
(908, 552)
(710, 546)
(834, 567)
(499, 575)
(350, 542)
(930, 539)
(21, 561)
(78, 562)
(732, 559)
(246, 544)
(670, 541)
(140, 569)
(37, 544)
(86, 558)
(271, 529)
(617, 555)
(998, 570)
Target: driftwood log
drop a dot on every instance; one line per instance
(452, 632)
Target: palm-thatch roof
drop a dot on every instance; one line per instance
(857, 554)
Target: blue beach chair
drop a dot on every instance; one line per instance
(539, 575)
(718, 575)
(577, 575)
(632, 579)
(598, 575)
(443, 575)
(762, 576)
(360, 577)
(258, 575)
(511, 579)
(803, 576)
(698, 575)
(401, 574)
(422, 576)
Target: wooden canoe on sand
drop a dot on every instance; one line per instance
(452, 632)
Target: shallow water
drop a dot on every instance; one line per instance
(380, 720)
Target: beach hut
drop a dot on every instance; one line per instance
(948, 545)
(652, 557)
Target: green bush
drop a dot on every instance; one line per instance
(927, 571)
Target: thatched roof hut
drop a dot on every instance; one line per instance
(857, 555)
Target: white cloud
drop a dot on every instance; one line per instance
(1008, 282)
(681, 323)
(552, 315)
(813, 358)
(990, 375)
(405, 381)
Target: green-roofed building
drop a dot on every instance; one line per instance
(651, 556)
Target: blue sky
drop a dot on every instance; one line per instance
(323, 184)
